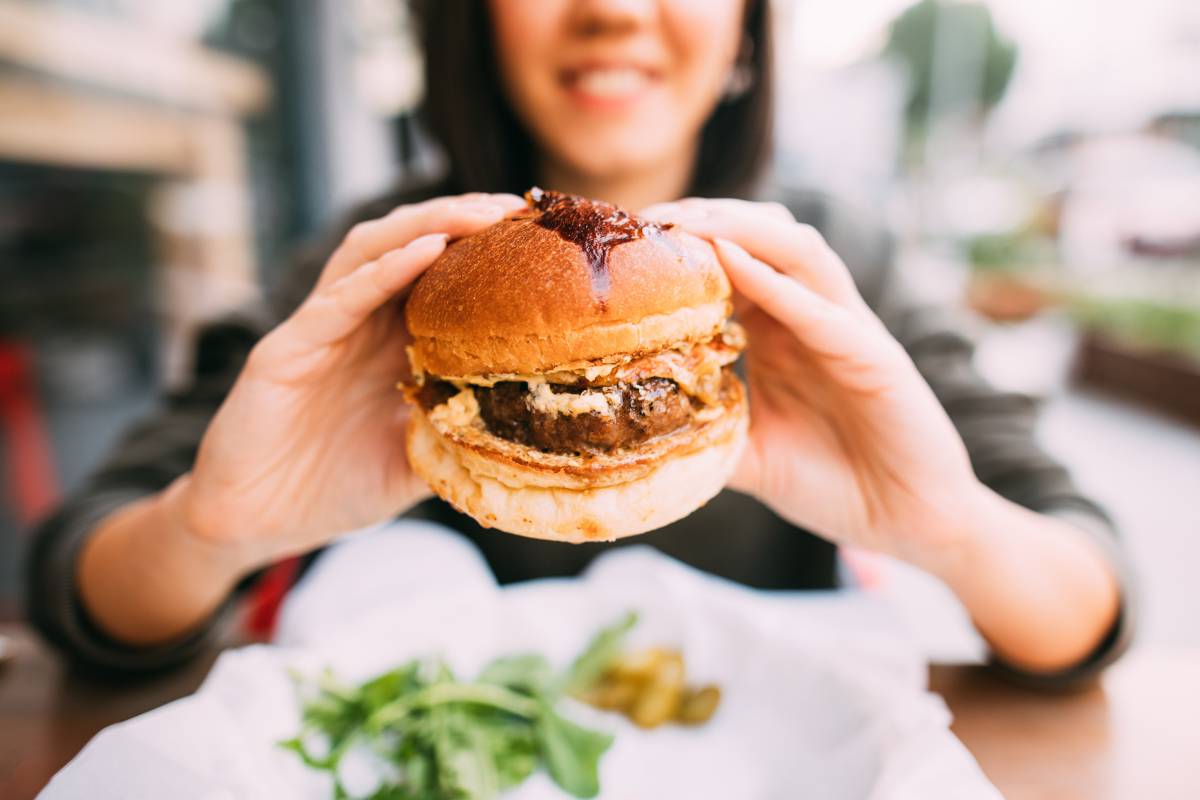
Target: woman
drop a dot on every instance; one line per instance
(867, 435)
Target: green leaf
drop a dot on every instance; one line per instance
(512, 743)
(420, 775)
(529, 673)
(394, 791)
(572, 753)
(516, 753)
(296, 745)
(481, 694)
(598, 655)
(387, 687)
(457, 777)
(472, 759)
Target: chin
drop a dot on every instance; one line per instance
(573, 374)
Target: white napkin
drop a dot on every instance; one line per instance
(823, 696)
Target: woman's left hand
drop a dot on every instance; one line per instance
(846, 438)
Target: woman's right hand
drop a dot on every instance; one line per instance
(310, 443)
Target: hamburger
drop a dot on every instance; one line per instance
(572, 373)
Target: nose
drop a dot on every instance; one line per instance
(600, 17)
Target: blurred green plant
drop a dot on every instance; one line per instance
(1010, 252)
(964, 28)
(1164, 325)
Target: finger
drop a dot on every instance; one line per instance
(750, 208)
(456, 216)
(825, 328)
(336, 311)
(698, 207)
(793, 248)
(779, 211)
(696, 211)
(663, 211)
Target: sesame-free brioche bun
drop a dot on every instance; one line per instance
(518, 298)
(572, 373)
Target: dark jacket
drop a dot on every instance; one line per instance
(733, 536)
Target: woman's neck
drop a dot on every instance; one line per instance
(632, 191)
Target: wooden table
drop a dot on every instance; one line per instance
(1135, 736)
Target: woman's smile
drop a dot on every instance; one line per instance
(610, 90)
(610, 85)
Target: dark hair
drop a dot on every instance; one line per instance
(489, 150)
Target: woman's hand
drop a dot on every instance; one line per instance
(310, 442)
(846, 438)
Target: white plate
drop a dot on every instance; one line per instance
(819, 699)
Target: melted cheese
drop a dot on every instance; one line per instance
(460, 411)
(417, 372)
(543, 399)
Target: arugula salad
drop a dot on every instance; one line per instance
(438, 737)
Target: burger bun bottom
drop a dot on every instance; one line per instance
(670, 491)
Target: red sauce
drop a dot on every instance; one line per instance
(594, 226)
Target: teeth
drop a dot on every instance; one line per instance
(614, 82)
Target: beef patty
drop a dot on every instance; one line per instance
(639, 412)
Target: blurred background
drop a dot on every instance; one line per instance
(1039, 164)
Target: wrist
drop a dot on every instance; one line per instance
(961, 536)
(1039, 590)
(225, 560)
(144, 579)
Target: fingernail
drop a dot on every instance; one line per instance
(486, 210)
(429, 240)
(733, 249)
